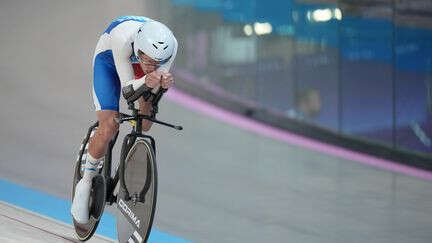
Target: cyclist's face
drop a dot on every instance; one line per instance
(148, 65)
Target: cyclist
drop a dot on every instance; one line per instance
(134, 53)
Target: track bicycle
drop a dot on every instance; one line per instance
(135, 178)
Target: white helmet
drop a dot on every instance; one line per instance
(155, 40)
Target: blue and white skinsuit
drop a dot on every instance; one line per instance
(115, 64)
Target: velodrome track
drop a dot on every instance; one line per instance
(218, 182)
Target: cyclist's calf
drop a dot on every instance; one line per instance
(107, 128)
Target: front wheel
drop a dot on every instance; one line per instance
(138, 192)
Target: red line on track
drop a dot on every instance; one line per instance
(46, 231)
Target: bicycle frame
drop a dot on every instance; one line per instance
(128, 141)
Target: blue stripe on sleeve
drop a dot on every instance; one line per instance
(122, 19)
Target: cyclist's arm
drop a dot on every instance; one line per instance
(122, 51)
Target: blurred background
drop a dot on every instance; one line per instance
(359, 68)
(354, 72)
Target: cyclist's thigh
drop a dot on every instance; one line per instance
(106, 83)
(107, 116)
(144, 106)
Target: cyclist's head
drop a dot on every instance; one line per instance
(154, 43)
(147, 64)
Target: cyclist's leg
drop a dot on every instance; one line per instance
(106, 95)
(145, 108)
(106, 130)
(98, 144)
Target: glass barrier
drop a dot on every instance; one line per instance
(358, 67)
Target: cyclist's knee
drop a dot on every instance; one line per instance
(108, 129)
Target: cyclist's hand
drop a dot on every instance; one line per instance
(153, 79)
(167, 80)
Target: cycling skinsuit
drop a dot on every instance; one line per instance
(115, 64)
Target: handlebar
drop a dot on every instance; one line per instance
(131, 95)
(154, 99)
